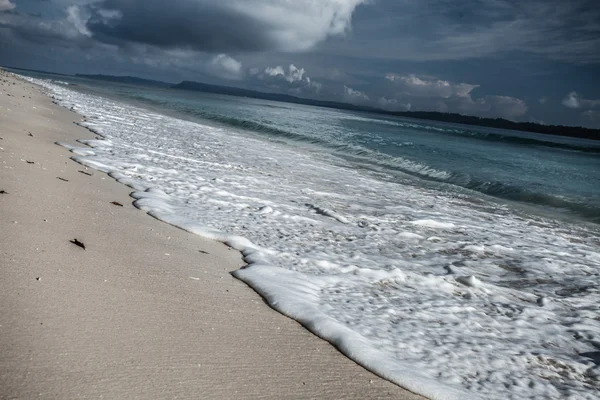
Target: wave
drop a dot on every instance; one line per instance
(582, 208)
(487, 136)
(338, 147)
(365, 156)
(590, 212)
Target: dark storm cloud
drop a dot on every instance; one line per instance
(189, 25)
(225, 26)
(33, 28)
(564, 30)
(453, 30)
(427, 30)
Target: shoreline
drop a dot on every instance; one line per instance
(146, 314)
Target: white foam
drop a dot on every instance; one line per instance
(470, 281)
(448, 300)
(430, 223)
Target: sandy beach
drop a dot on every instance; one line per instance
(145, 310)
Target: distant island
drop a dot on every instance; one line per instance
(500, 123)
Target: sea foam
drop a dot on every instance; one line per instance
(448, 299)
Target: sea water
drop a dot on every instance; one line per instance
(458, 262)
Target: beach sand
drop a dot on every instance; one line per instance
(146, 310)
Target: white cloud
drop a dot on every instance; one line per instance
(573, 100)
(386, 102)
(293, 74)
(294, 79)
(274, 71)
(298, 25)
(393, 104)
(488, 106)
(6, 5)
(506, 106)
(355, 96)
(430, 93)
(423, 87)
(75, 17)
(225, 67)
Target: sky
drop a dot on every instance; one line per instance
(533, 61)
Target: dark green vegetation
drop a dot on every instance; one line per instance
(571, 131)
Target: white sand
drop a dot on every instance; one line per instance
(142, 312)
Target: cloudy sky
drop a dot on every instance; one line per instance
(534, 60)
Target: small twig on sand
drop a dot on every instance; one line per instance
(78, 243)
(62, 179)
(85, 173)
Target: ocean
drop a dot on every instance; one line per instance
(457, 261)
